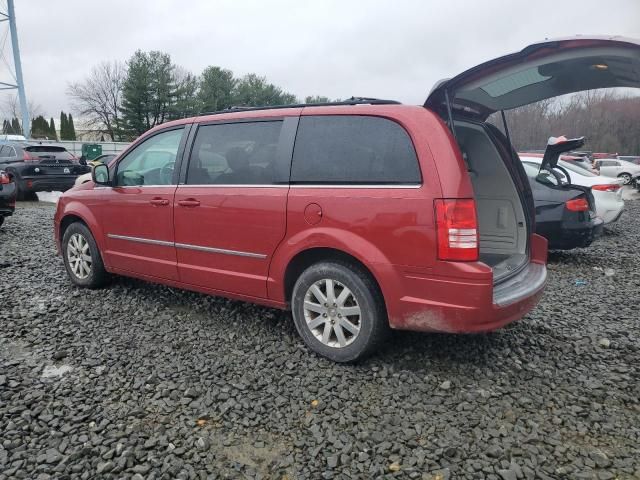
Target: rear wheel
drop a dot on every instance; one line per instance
(626, 178)
(338, 311)
(19, 192)
(1, 220)
(82, 258)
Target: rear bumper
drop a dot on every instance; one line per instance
(48, 183)
(453, 304)
(7, 199)
(578, 236)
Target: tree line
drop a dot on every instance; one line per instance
(609, 120)
(41, 129)
(123, 100)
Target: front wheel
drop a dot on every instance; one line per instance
(626, 178)
(82, 258)
(338, 311)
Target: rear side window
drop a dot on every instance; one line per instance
(49, 151)
(235, 154)
(340, 149)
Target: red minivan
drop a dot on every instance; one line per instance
(358, 216)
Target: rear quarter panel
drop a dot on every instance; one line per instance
(388, 229)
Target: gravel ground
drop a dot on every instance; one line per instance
(143, 381)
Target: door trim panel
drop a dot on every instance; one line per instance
(187, 246)
(141, 240)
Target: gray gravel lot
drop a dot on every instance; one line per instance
(143, 381)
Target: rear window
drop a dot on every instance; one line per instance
(577, 169)
(49, 150)
(349, 150)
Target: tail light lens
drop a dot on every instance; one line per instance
(457, 229)
(606, 188)
(577, 205)
(4, 179)
(28, 158)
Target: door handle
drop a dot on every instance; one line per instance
(189, 202)
(159, 202)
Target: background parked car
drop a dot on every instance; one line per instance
(614, 167)
(7, 196)
(85, 177)
(565, 214)
(630, 158)
(607, 192)
(37, 167)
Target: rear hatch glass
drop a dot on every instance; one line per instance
(49, 153)
(542, 70)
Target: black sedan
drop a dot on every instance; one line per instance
(565, 213)
(7, 196)
(37, 167)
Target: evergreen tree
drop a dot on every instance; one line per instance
(148, 91)
(254, 91)
(71, 129)
(216, 89)
(16, 129)
(52, 130)
(63, 126)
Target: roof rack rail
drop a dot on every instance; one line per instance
(349, 101)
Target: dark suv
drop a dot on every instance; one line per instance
(37, 167)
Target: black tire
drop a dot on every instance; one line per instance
(373, 324)
(97, 275)
(1, 220)
(626, 178)
(20, 194)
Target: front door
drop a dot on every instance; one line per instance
(137, 211)
(230, 213)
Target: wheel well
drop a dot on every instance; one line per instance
(306, 258)
(68, 220)
(624, 173)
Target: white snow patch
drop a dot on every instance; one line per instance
(51, 197)
(51, 371)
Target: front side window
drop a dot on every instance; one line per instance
(151, 162)
(241, 153)
(341, 149)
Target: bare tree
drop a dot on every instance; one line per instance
(609, 119)
(97, 99)
(11, 108)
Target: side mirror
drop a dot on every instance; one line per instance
(100, 175)
(82, 160)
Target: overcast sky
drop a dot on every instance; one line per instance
(389, 49)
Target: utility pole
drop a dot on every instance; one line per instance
(10, 16)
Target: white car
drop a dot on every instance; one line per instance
(84, 178)
(614, 167)
(607, 192)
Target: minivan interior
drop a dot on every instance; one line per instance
(501, 218)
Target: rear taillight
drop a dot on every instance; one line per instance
(457, 229)
(606, 188)
(4, 179)
(577, 205)
(28, 158)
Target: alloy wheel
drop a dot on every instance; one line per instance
(332, 313)
(79, 256)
